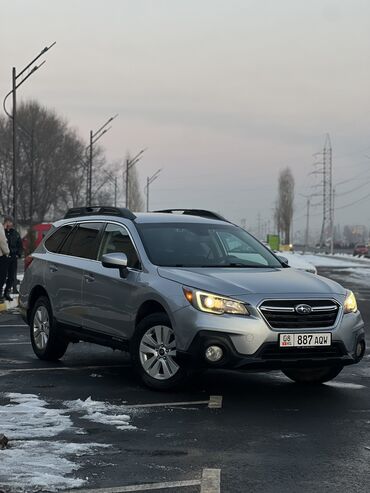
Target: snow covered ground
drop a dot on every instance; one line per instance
(36, 458)
(356, 270)
(340, 260)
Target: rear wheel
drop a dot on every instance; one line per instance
(313, 375)
(46, 342)
(153, 352)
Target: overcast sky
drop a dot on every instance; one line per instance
(223, 93)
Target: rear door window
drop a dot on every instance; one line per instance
(84, 241)
(57, 238)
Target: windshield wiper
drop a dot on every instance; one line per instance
(237, 265)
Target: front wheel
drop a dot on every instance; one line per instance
(153, 353)
(46, 342)
(312, 375)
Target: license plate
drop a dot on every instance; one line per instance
(305, 340)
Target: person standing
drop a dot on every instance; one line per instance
(15, 252)
(4, 252)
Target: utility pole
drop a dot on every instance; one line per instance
(327, 190)
(15, 150)
(94, 137)
(13, 116)
(307, 225)
(114, 180)
(149, 181)
(332, 223)
(129, 164)
(259, 226)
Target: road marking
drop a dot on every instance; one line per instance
(215, 402)
(14, 343)
(142, 487)
(4, 371)
(14, 325)
(211, 481)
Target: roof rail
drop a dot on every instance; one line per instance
(195, 212)
(100, 211)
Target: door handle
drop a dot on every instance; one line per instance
(89, 278)
(53, 268)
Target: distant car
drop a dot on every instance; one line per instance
(40, 231)
(361, 250)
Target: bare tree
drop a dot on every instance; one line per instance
(50, 164)
(284, 204)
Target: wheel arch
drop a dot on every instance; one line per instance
(149, 307)
(36, 292)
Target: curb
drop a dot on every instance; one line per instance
(9, 305)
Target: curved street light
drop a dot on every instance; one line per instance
(149, 181)
(94, 137)
(13, 116)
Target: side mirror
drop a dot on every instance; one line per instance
(116, 261)
(283, 260)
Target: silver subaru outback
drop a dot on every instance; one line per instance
(184, 291)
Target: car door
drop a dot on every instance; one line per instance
(63, 277)
(78, 250)
(108, 298)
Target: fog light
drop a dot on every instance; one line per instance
(214, 354)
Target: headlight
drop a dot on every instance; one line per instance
(350, 303)
(212, 303)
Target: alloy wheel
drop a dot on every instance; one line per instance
(157, 352)
(41, 327)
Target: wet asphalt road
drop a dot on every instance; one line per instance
(270, 435)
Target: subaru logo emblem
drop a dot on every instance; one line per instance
(303, 309)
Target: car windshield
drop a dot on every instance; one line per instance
(203, 245)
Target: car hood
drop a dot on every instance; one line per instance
(235, 282)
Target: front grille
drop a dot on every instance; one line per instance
(272, 352)
(282, 314)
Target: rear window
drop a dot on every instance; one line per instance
(56, 239)
(83, 242)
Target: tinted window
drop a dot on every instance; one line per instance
(203, 245)
(83, 242)
(116, 239)
(57, 238)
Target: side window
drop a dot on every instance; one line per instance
(83, 242)
(116, 239)
(56, 239)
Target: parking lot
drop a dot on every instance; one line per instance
(97, 427)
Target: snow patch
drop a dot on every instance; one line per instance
(345, 385)
(293, 435)
(36, 465)
(102, 412)
(28, 417)
(332, 261)
(32, 462)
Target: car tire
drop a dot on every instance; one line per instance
(312, 375)
(153, 354)
(48, 344)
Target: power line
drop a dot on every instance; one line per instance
(353, 203)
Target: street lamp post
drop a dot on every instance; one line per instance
(94, 137)
(129, 164)
(13, 116)
(114, 180)
(149, 181)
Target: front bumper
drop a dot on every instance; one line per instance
(249, 343)
(269, 356)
